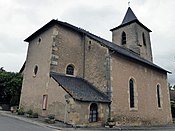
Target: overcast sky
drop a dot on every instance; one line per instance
(20, 18)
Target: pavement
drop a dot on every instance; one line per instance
(62, 126)
(35, 121)
(12, 124)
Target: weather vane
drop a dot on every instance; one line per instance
(128, 3)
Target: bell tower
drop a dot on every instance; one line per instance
(133, 35)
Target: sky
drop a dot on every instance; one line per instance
(20, 18)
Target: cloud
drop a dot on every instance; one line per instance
(12, 61)
(95, 20)
(20, 18)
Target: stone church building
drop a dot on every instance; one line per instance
(84, 79)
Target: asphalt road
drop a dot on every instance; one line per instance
(131, 130)
(12, 124)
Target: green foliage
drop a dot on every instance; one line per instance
(35, 115)
(10, 87)
(30, 112)
(171, 87)
(50, 119)
(20, 111)
(51, 116)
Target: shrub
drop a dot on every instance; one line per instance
(50, 119)
(30, 112)
(20, 111)
(35, 115)
(51, 116)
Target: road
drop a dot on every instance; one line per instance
(12, 124)
(130, 130)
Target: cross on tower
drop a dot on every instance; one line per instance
(128, 3)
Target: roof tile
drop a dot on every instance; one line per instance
(79, 89)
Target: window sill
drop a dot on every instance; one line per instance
(133, 109)
(34, 76)
(160, 108)
(70, 75)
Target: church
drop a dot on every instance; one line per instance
(86, 80)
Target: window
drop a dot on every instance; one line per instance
(143, 37)
(39, 40)
(158, 96)
(35, 71)
(131, 92)
(44, 105)
(123, 38)
(70, 70)
(93, 116)
(89, 46)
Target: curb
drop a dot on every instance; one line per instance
(6, 113)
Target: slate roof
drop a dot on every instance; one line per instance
(130, 18)
(79, 89)
(112, 46)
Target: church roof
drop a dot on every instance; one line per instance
(130, 18)
(112, 46)
(79, 89)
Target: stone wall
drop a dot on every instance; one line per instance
(79, 113)
(134, 40)
(146, 110)
(35, 85)
(56, 103)
(68, 48)
(96, 64)
(87, 55)
(67, 109)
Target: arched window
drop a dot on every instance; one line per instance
(158, 96)
(39, 40)
(35, 71)
(131, 92)
(70, 70)
(123, 38)
(93, 116)
(143, 37)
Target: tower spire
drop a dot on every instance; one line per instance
(129, 16)
(133, 35)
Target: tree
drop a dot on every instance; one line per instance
(171, 87)
(10, 87)
(2, 69)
